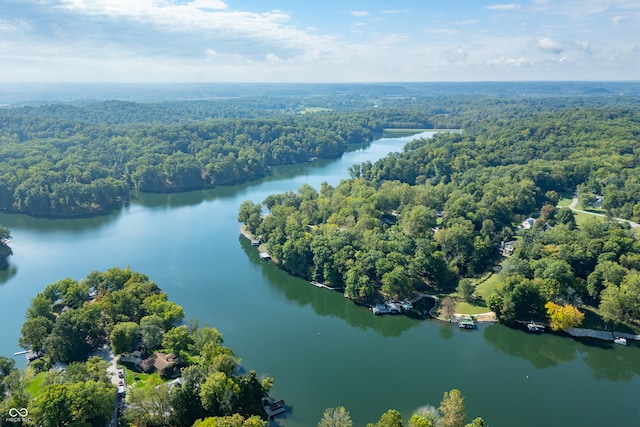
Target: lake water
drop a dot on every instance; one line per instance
(322, 350)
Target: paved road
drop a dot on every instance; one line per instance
(574, 203)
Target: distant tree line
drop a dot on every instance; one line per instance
(85, 158)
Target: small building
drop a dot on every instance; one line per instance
(528, 223)
(507, 248)
(597, 203)
(265, 256)
(164, 364)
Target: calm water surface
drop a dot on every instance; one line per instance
(322, 350)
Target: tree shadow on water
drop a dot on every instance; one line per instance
(7, 271)
(325, 302)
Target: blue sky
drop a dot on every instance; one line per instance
(318, 41)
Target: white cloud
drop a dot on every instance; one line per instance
(394, 11)
(443, 31)
(511, 62)
(584, 8)
(359, 13)
(211, 40)
(271, 57)
(583, 45)
(6, 25)
(456, 55)
(467, 22)
(209, 4)
(547, 45)
(616, 20)
(504, 6)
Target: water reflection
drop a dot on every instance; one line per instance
(7, 271)
(193, 198)
(606, 360)
(325, 302)
(57, 225)
(446, 330)
(543, 351)
(622, 365)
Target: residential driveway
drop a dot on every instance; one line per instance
(107, 355)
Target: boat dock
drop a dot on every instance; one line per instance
(273, 408)
(385, 309)
(323, 286)
(254, 241)
(265, 256)
(466, 322)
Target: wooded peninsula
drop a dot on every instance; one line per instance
(439, 215)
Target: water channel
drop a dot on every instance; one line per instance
(322, 350)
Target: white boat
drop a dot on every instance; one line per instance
(620, 341)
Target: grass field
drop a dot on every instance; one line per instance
(484, 290)
(33, 388)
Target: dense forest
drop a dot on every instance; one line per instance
(86, 158)
(437, 213)
(69, 321)
(63, 167)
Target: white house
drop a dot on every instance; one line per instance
(528, 223)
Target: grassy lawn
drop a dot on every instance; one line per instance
(137, 379)
(33, 388)
(582, 217)
(466, 308)
(488, 287)
(564, 202)
(484, 290)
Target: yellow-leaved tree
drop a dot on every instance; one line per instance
(563, 316)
